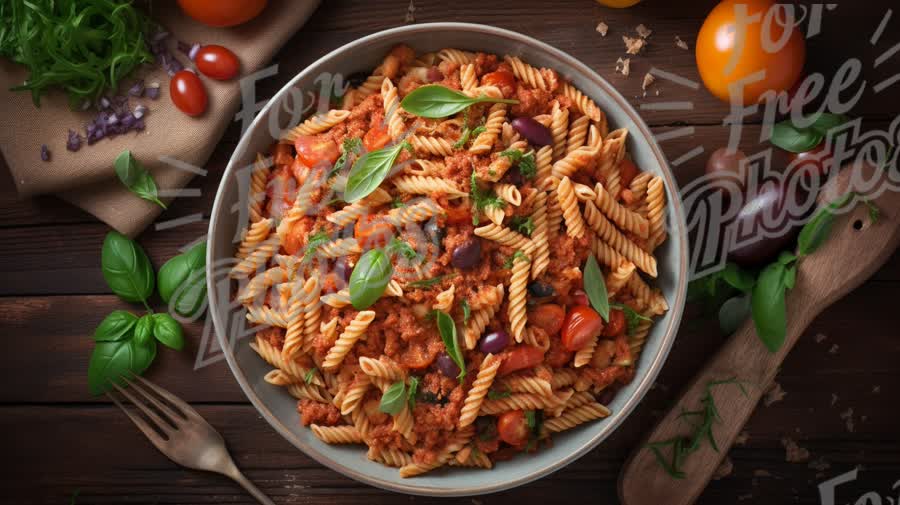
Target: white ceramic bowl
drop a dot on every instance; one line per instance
(279, 408)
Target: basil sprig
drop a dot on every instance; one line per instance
(436, 101)
(182, 281)
(595, 287)
(370, 170)
(394, 399)
(799, 140)
(447, 328)
(116, 326)
(136, 178)
(369, 279)
(126, 268)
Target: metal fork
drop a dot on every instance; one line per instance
(184, 437)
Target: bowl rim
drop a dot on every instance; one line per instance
(652, 369)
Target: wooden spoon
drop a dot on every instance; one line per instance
(855, 249)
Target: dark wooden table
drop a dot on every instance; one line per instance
(58, 440)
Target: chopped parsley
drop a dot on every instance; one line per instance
(466, 310)
(399, 246)
(482, 199)
(424, 283)
(315, 241)
(351, 146)
(512, 259)
(308, 377)
(397, 203)
(526, 163)
(497, 395)
(522, 224)
(411, 391)
(467, 134)
(632, 317)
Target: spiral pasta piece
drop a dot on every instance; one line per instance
(472, 459)
(370, 86)
(481, 318)
(543, 161)
(253, 236)
(583, 356)
(267, 316)
(509, 193)
(607, 232)
(638, 189)
(272, 355)
(316, 124)
(350, 213)
(618, 278)
(617, 213)
(293, 337)
(444, 300)
(393, 289)
(256, 259)
(301, 390)
(427, 185)
(518, 288)
(459, 439)
(577, 160)
(611, 153)
(647, 298)
(502, 162)
(456, 56)
(276, 377)
(260, 283)
(605, 254)
(484, 142)
(355, 394)
(563, 377)
(339, 248)
(559, 127)
(479, 389)
(554, 214)
(637, 339)
(312, 309)
(581, 102)
(425, 168)
(495, 215)
(392, 109)
(383, 367)
(578, 130)
(526, 384)
(259, 178)
(571, 418)
(347, 338)
(404, 424)
(435, 146)
(389, 457)
(569, 205)
(415, 213)
(337, 434)
(337, 300)
(518, 401)
(656, 209)
(467, 78)
(525, 72)
(504, 236)
(540, 237)
(583, 192)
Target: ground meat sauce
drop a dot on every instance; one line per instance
(403, 332)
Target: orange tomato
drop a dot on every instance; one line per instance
(222, 12)
(520, 357)
(764, 44)
(376, 138)
(503, 80)
(548, 317)
(313, 150)
(512, 428)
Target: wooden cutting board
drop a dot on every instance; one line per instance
(855, 249)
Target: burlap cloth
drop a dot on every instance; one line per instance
(86, 178)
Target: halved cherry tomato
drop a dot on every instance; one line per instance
(579, 297)
(314, 150)
(217, 62)
(582, 324)
(376, 138)
(512, 428)
(627, 171)
(281, 155)
(187, 93)
(503, 79)
(520, 358)
(372, 231)
(222, 12)
(616, 324)
(549, 317)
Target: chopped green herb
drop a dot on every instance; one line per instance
(512, 259)
(498, 395)
(315, 241)
(632, 317)
(525, 162)
(396, 203)
(424, 283)
(522, 224)
(466, 310)
(401, 247)
(351, 147)
(411, 391)
(466, 134)
(482, 199)
(308, 377)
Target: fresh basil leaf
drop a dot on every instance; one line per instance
(874, 211)
(126, 268)
(525, 162)
(411, 392)
(116, 326)
(768, 306)
(786, 258)
(136, 178)
(143, 330)
(733, 313)
(370, 170)
(393, 399)
(595, 287)
(183, 279)
(825, 121)
(142, 355)
(790, 276)
(786, 136)
(111, 361)
(436, 101)
(738, 278)
(369, 279)
(168, 331)
(816, 230)
(447, 328)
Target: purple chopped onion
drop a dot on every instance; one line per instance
(112, 119)
(192, 54)
(139, 111)
(45, 153)
(153, 91)
(74, 142)
(127, 121)
(138, 124)
(136, 89)
(104, 103)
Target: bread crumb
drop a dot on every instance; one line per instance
(834, 349)
(793, 453)
(774, 394)
(761, 473)
(410, 13)
(602, 28)
(648, 80)
(876, 390)
(724, 469)
(820, 337)
(834, 399)
(847, 416)
(623, 66)
(680, 43)
(742, 438)
(633, 45)
(643, 31)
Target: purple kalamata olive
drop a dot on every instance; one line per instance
(541, 289)
(434, 74)
(725, 165)
(357, 78)
(467, 254)
(770, 212)
(494, 342)
(446, 365)
(534, 132)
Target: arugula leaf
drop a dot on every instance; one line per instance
(436, 101)
(401, 247)
(595, 287)
(522, 224)
(447, 328)
(370, 170)
(394, 399)
(136, 178)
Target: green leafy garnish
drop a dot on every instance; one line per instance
(369, 279)
(127, 269)
(436, 101)
(315, 241)
(181, 281)
(595, 287)
(309, 375)
(168, 332)
(84, 47)
(447, 328)
(115, 326)
(683, 446)
(798, 140)
(401, 247)
(466, 310)
(522, 224)
(411, 392)
(370, 170)
(136, 178)
(512, 259)
(396, 203)
(466, 134)
(350, 147)
(394, 399)
(526, 162)
(482, 199)
(767, 301)
(498, 395)
(424, 283)
(817, 229)
(632, 317)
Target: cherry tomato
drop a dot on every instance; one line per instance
(520, 358)
(376, 138)
(299, 170)
(281, 155)
(716, 46)
(582, 324)
(627, 171)
(815, 162)
(222, 12)
(296, 235)
(188, 93)
(314, 150)
(549, 317)
(217, 62)
(504, 80)
(579, 297)
(372, 231)
(616, 323)
(512, 428)
(724, 169)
